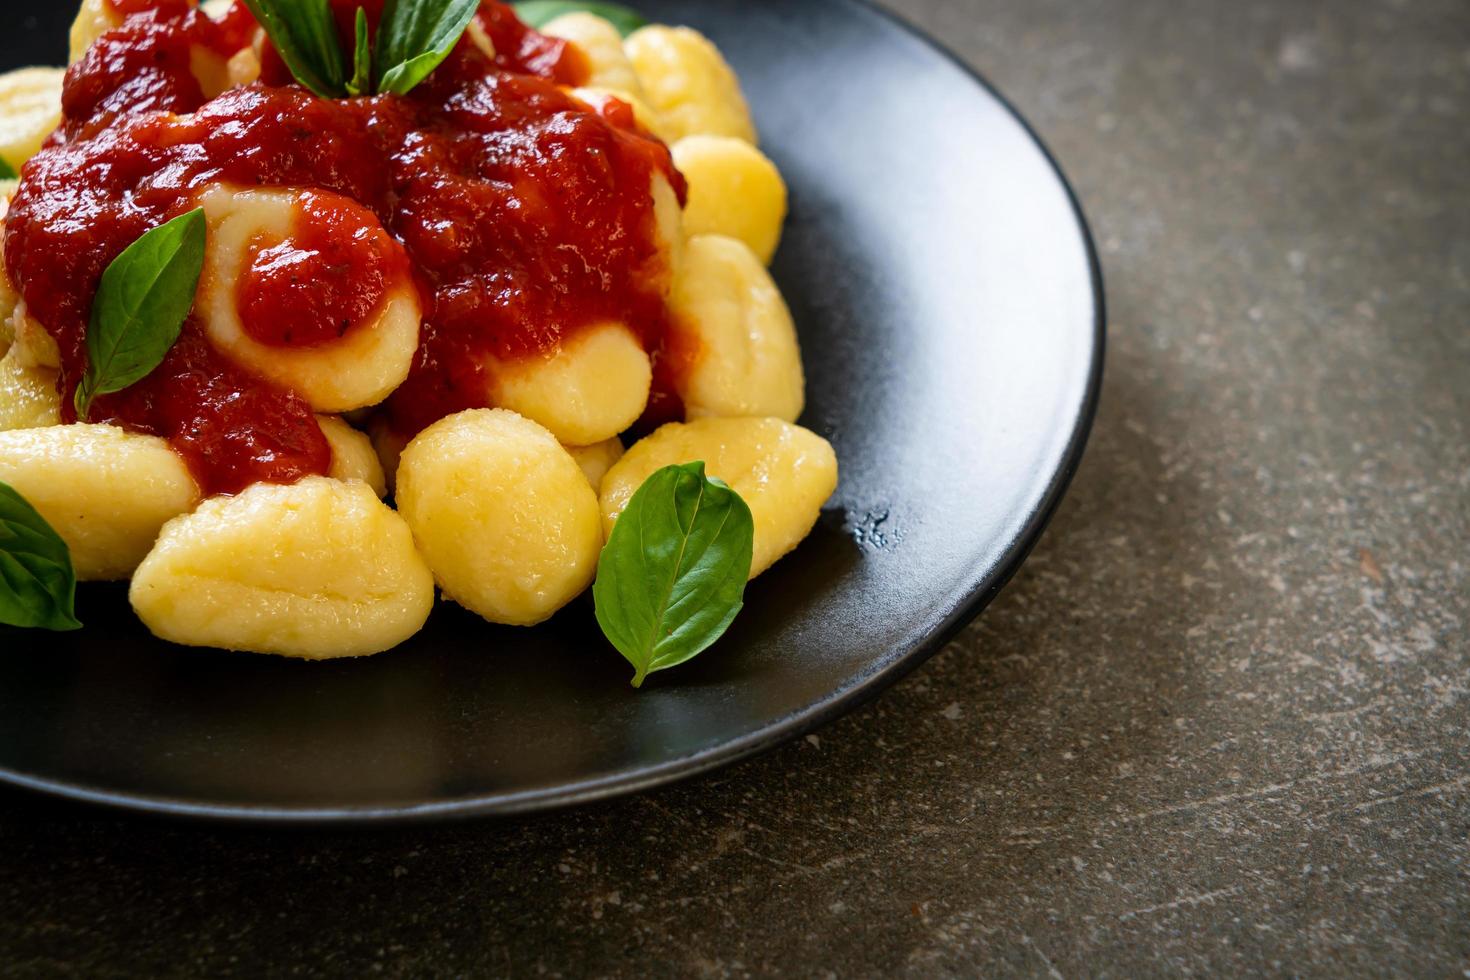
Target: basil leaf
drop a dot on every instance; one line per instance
(414, 38)
(7, 172)
(362, 59)
(672, 577)
(37, 585)
(140, 306)
(305, 34)
(539, 13)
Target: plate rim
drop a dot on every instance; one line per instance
(829, 708)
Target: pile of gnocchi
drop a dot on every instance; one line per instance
(503, 509)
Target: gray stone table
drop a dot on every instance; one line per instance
(1219, 723)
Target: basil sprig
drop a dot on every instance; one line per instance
(305, 35)
(672, 577)
(414, 38)
(539, 13)
(7, 172)
(38, 587)
(361, 81)
(140, 307)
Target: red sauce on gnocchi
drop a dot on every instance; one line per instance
(328, 276)
(523, 214)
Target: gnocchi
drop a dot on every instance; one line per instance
(317, 570)
(784, 473)
(689, 84)
(587, 391)
(597, 460)
(602, 46)
(353, 455)
(502, 514)
(643, 114)
(745, 359)
(95, 19)
(28, 395)
(359, 368)
(734, 190)
(30, 108)
(106, 492)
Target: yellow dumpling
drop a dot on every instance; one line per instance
(353, 455)
(597, 460)
(644, 115)
(360, 369)
(318, 570)
(688, 83)
(592, 387)
(602, 46)
(96, 18)
(106, 492)
(31, 344)
(734, 190)
(389, 444)
(783, 472)
(747, 360)
(28, 395)
(502, 513)
(9, 295)
(30, 108)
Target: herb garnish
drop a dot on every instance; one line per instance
(37, 584)
(140, 307)
(413, 38)
(7, 172)
(539, 13)
(305, 35)
(416, 36)
(361, 81)
(672, 577)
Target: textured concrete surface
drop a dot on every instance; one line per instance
(1219, 724)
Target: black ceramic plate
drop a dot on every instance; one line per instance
(951, 313)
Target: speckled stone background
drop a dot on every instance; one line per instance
(1220, 723)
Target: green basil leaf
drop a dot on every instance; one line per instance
(305, 34)
(140, 306)
(414, 38)
(7, 172)
(38, 588)
(672, 577)
(539, 13)
(362, 59)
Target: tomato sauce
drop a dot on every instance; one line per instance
(525, 216)
(329, 276)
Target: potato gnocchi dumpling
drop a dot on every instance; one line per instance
(9, 296)
(31, 344)
(94, 19)
(317, 570)
(353, 455)
(105, 491)
(28, 395)
(688, 83)
(744, 357)
(783, 472)
(502, 513)
(602, 45)
(734, 190)
(362, 365)
(590, 389)
(30, 108)
(643, 114)
(597, 460)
